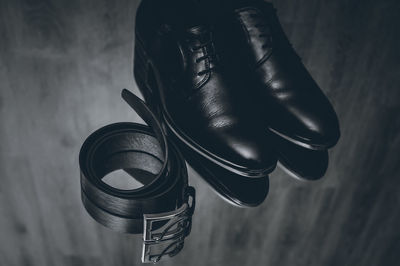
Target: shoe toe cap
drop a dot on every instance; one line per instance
(308, 126)
(319, 129)
(248, 150)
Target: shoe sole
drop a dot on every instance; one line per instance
(220, 188)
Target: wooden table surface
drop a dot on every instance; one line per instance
(62, 67)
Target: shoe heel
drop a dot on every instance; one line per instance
(144, 76)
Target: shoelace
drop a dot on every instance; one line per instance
(209, 54)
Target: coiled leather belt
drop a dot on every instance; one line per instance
(162, 209)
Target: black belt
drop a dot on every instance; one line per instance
(162, 209)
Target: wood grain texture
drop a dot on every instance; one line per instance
(62, 67)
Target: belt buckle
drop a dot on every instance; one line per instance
(169, 238)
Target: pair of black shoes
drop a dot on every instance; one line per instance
(233, 93)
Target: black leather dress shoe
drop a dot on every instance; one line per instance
(295, 106)
(178, 72)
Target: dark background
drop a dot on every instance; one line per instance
(62, 67)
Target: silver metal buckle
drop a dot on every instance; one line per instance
(164, 233)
